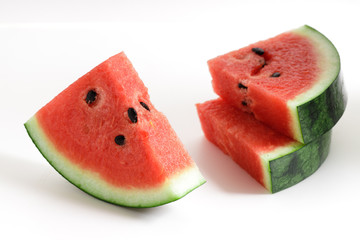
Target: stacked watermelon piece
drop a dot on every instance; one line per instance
(279, 100)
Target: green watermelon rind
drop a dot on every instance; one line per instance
(173, 189)
(292, 168)
(323, 112)
(317, 110)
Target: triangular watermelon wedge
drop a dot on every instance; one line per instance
(103, 134)
(291, 82)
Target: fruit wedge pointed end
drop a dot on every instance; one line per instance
(104, 135)
(291, 82)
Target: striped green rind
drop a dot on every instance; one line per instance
(171, 190)
(320, 114)
(294, 167)
(318, 109)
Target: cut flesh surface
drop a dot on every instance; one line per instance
(291, 82)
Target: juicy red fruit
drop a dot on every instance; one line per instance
(103, 123)
(274, 71)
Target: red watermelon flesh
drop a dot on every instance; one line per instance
(270, 78)
(105, 125)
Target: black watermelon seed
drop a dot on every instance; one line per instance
(132, 115)
(120, 140)
(258, 51)
(90, 97)
(145, 106)
(240, 85)
(275, 74)
(244, 103)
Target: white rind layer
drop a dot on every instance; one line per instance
(172, 189)
(329, 66)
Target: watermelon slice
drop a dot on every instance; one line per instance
(291, 82)
(273, 159)
(103, 134)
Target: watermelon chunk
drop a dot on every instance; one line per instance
(273, 159)
(104, 135)
(291, 82)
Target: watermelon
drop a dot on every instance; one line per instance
(271, 158)
(104, 135)
(291, 82)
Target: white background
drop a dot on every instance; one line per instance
(46, 45)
